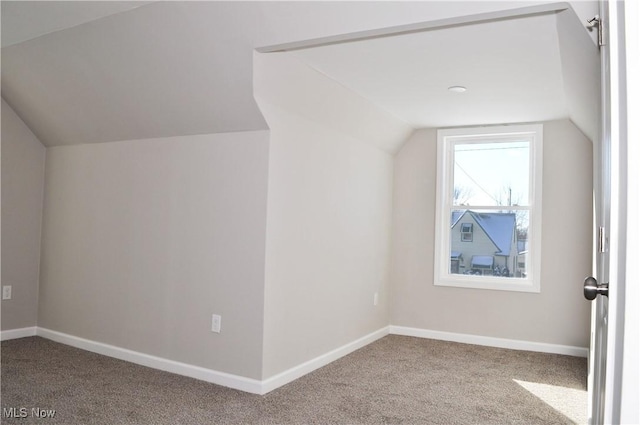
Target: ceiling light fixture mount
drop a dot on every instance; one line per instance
(457, 89)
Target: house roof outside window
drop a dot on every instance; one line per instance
(482, 261)
(498, 226)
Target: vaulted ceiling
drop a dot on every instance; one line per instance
(86, 72)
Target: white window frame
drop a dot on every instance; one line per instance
(447, 138)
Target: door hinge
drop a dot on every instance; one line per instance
(602, 240)
(597, 21)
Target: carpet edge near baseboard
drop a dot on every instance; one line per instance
(269, 384)
(18, 333)
(253, 386)
(229, 380)
(309, 366)
(511, 344)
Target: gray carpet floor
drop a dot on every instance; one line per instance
(395, 380)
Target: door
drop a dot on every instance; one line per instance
(596, 287)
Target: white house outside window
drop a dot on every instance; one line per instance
(488, 217)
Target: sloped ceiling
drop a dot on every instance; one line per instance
(26, 20)
(108, 71)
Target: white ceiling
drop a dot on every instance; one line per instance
(84, 72)
(511, 69)
(26, 20)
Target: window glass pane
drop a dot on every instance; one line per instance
(490, 174)
(489, 243)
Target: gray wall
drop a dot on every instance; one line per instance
(328, 212)
(23, 158)
(328, 240)
(558, 314)
(144, 240)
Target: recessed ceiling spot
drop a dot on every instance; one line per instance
(458, 89)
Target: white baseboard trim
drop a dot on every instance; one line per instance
(255, 386)
(512, 344)
(296, 372)
(241, 383)
(215, 377)
(17, 333)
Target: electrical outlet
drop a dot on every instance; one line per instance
(375, 298)
(216, 323)
(6, 292)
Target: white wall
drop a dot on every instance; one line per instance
(144, 240)
(558, 314)
(328, 216)
(23, 159)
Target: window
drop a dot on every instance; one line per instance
(466, 231)
(489, 193)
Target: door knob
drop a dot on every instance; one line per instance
(592, 288)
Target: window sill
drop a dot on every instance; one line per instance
(490, 283)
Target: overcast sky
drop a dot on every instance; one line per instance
(486, 170)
